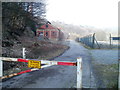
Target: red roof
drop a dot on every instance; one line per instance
(47, 26)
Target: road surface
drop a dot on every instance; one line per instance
(58, 76)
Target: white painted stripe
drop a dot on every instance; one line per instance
(8, 59)
(48, 62)
(34, 69)
(46, 66)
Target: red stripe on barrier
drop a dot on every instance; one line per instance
(66, 63)
(22, 60)
(24, 72)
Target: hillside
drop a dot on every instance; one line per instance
(80, 31)
(19, 24)
(23, 23)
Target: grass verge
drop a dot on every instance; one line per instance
(107, 75)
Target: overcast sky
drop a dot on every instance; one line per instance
(97, 13)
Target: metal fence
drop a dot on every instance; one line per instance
(92, 42)
(88, 40)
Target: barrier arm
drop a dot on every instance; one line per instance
(48, 63)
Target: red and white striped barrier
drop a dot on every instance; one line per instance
(48, 63)
(26, 71)
(42, 61)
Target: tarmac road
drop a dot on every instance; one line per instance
(58, 76)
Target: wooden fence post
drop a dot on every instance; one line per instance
(79, 73)
(24, 53)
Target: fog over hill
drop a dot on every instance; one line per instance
(80, 31)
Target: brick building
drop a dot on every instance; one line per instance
(50, 32)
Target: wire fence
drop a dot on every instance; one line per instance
(92, 42)
(88, 40)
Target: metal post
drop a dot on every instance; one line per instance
(24, 53)
(110, 40)
(93, 42)
(79, 73)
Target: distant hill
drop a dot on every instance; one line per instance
(80, 31)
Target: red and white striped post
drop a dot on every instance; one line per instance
(79, 73)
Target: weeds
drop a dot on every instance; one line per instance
(108, 74)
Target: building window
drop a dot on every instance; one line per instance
(53, 33)
(46, 26)
(41, 33)
(46, 33)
